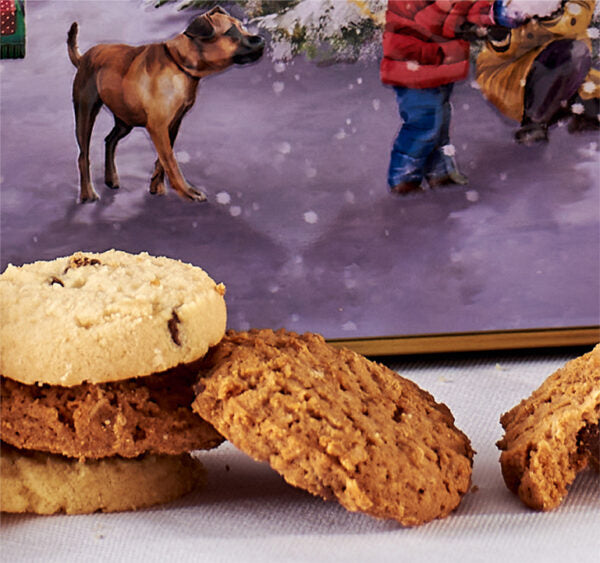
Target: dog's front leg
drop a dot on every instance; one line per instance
(166, 159)
(157, 182)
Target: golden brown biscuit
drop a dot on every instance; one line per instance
(46, 484)
(128, 418)
(336, 424)
(553, 434)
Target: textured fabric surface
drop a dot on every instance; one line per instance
(248, 513)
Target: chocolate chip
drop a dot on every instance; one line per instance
(78, 261)
(174, 328)
(588, 442)
(55, 280)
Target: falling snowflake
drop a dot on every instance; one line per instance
(449, 150)
(413, 66)
(235, 210)
(349, 326)
(472, 196)
(577, 109)
(183, 157)
(341, 134)
(311, 217)
(455, 257)
(590, 151)
(284, 147)
(588, 87)
(279, 67)
(376, 104)
(278, 87)
(593, 33)
(223, 198)
(310, 172)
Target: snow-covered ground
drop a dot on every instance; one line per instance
(299, 224)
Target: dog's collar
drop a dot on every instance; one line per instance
(191, 72)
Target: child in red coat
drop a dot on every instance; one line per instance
(424, 53)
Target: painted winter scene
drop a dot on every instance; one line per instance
(354, 172)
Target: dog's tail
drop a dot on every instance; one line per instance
(72, 46)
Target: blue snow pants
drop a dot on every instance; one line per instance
(418, 149)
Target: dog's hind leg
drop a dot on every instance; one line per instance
(120, 130)
(87, 103)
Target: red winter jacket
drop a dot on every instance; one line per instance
(420, 44)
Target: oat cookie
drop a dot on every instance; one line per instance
(150, 414)
(553, 434)
(47, 484)
(336, 424)
(105, 317)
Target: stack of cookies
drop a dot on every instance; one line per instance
(106, 386)
(114, 367)
(96, 359)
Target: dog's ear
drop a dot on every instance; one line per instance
(218, 10)
(201, 28)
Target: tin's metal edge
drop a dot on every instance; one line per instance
(473, 341)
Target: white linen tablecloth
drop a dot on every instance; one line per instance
(248, 513)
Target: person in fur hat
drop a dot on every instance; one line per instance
(425, 52)
(542, 71)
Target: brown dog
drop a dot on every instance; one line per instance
(152, 86)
